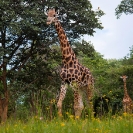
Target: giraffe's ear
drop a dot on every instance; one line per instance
(121, 77)
(46, 11)
(126, 76)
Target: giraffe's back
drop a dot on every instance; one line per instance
(75, 72)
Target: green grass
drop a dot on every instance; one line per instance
(115, 124)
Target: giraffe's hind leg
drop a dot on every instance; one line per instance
(88, 92)
(78, 104)
(61, 97)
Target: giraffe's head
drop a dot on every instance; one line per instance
(52, 15)
(124, 77)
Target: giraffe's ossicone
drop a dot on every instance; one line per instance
(72, 72)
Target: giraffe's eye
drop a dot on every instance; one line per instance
(54, 15)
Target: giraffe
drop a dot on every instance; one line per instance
(127, 101)
(72, 73)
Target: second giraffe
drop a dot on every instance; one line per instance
(127, 101)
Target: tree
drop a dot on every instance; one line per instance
(126, 6)
(23, 31)
(17, 33)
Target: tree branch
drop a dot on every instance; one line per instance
(19, 41)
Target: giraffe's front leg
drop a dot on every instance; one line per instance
(78, 104)
(61, 97)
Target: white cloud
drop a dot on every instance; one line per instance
(116, 37)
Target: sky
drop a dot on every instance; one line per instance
(116, 38)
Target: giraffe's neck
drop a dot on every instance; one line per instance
(125, 89)
(67, 52)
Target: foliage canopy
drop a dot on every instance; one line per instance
(126, 6)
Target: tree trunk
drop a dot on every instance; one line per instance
(3, 109)
(32, 102)
(4, 100)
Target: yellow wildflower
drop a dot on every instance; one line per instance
(124, 114)
(67, 113)
(77, 117)
(71, 116)
(62, 124)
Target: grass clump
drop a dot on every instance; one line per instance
(115, 124)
